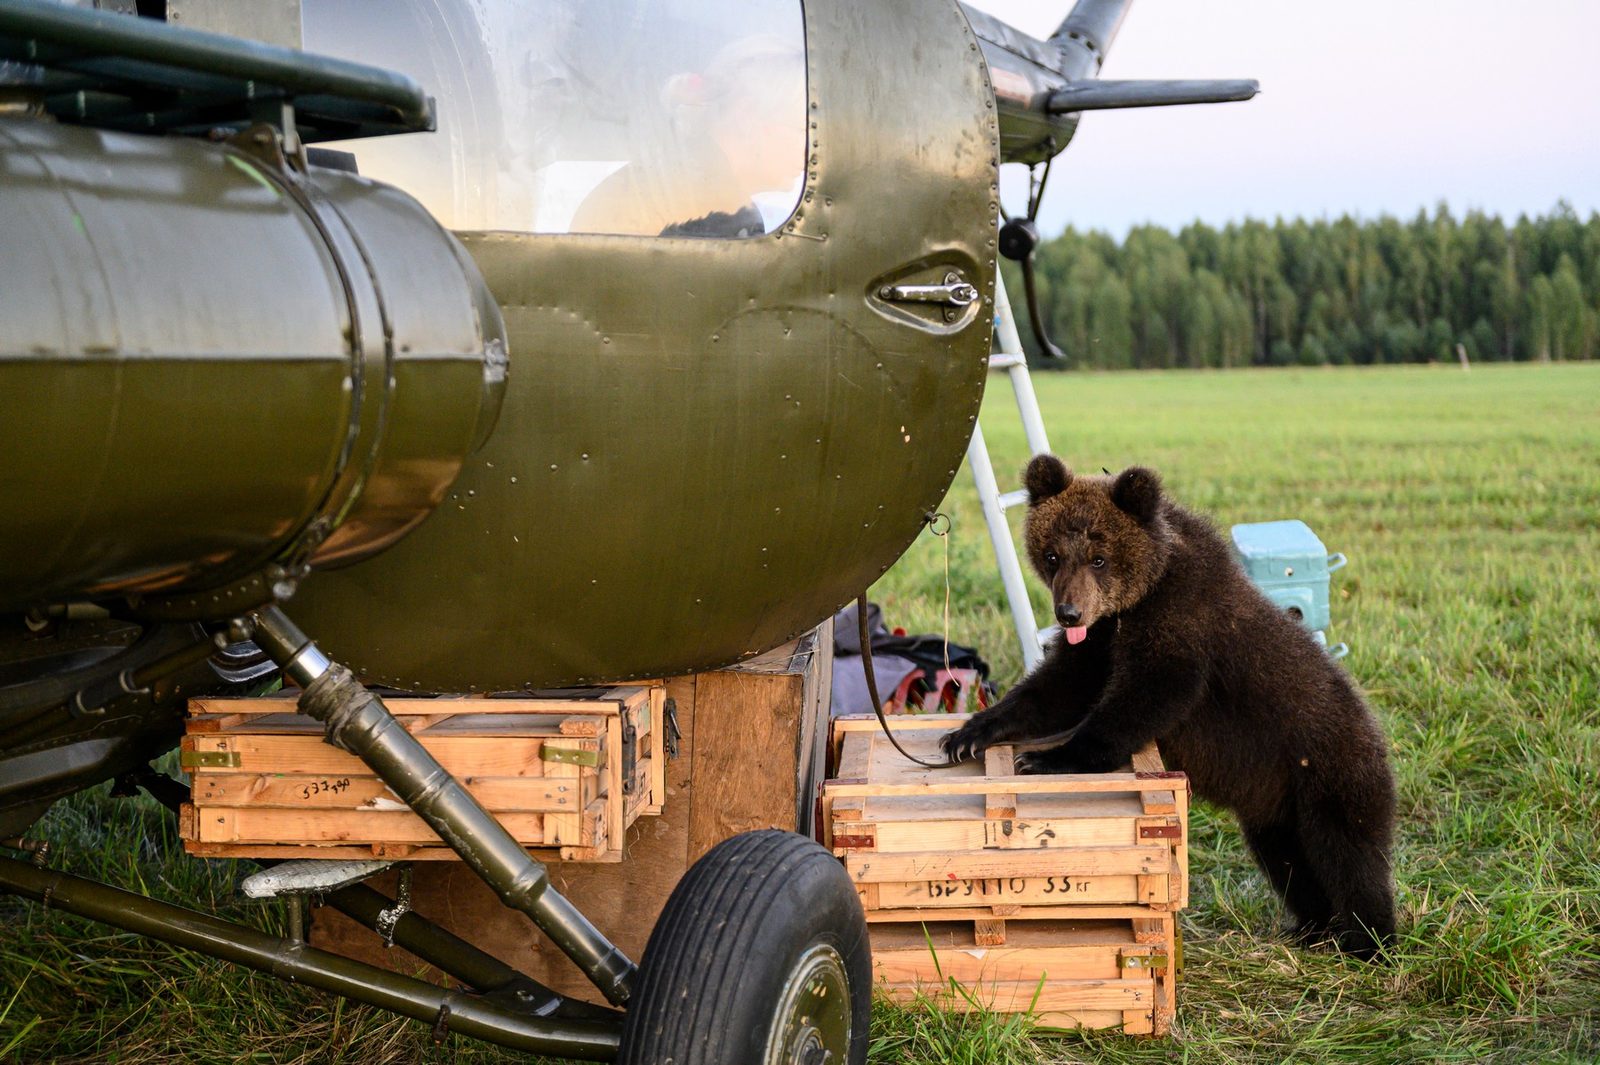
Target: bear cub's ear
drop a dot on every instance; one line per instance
(1045, 476)
(1137, 491)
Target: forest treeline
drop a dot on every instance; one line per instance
(1325, 292)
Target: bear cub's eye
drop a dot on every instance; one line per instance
(1097, 562)
(1052, 559)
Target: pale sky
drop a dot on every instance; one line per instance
(1366, 107)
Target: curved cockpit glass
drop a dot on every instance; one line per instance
(645, 117)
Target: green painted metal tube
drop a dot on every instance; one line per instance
(358, 722)
(467, 1014)
(209, 364)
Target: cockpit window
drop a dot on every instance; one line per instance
(645, 117)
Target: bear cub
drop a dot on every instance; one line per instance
(1164, 637)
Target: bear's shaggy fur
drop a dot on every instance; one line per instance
(1175, 644)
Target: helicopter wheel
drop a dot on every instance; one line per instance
(760, 958)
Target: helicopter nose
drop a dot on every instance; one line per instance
(1068, 614)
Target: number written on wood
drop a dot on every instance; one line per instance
(1001, 886)
(323, 787)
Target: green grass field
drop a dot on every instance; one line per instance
(1469, 504)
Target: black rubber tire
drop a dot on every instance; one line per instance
(721, 956)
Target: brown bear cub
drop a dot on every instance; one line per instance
(1165, 638)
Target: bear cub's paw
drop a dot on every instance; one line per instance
(1051, 760)
(971, 739)
(1074, 757)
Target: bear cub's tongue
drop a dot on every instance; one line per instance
(1077, 634)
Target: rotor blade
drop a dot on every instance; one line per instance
(1106, 95)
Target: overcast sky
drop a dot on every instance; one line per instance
(1366, 107)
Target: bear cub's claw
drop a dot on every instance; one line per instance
(968, 741)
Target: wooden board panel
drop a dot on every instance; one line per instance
(749, 724)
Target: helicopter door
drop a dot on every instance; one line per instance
(745, 256)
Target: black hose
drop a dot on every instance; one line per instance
(872, 687)
(1046, 345)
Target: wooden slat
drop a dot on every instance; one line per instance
(215, 722)
(1180, 894)
(998, 763)
(1148, 760)
(1086, 784)
(899, 722)
(855, 757)
(1019, 834)
(639, 801)
(611, 771)
(288, 791)
(658, 749)
(1049, 1021)
(1018, 996)
(461, 755)
(463, 724)
(984, 964)
(989, 932)
(969, 865)
(1026, 892)
(400, 705)
(1014, 913)
(571, 828)
(250, 824)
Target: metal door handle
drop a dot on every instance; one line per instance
(956, 291)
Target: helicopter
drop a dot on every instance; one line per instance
(492, 347)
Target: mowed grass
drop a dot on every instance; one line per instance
(1469, 504)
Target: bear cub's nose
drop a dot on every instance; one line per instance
(1068, 614)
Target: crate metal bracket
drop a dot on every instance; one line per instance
(209, 759)
(569, 755)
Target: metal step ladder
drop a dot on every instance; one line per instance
(1010, 358)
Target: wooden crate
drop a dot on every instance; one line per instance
(1104, 973)
(978, 837)
(748, 738)
(1050, 893)
(566, 773)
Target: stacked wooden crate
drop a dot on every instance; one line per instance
(566, 773)
(1055, 894)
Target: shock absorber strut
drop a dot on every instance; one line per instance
(357, 721)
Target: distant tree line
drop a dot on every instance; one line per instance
(1315, 293)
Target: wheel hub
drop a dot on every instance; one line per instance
(812, 1021)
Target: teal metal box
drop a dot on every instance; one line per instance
(1290, 565)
